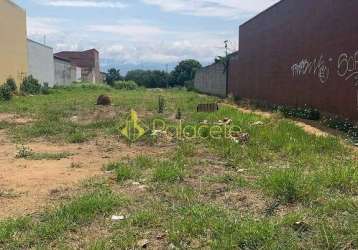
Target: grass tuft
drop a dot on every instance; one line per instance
(285, 185)
(169, 172)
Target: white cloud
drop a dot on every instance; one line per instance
(127, 30)
(40, 26)
(130, 41)
(135, 42)
(214, 8)
(83, 3)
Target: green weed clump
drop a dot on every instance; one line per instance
(199, 223)
(161, 104)
(305, 112)
(27, 153)
(30, 85)
(78, 136)
(169, 172)
(5, 93)
(125, 85)
(340, 177)
(81, 211)
(11, 84)
(288, 186)
(125, 172)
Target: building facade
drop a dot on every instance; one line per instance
(87, 60)
(40, 62)
(65, 72)
(211, 80)
(215, 78)
(13, 59)
(301, 53)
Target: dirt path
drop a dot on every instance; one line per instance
(311, 127)
(27, 186)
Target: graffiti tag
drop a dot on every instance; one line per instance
(348, 67)
(317, 67)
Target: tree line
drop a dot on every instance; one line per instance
(182, 75)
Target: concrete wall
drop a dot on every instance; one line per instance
(13, 47)
(211, 80)
(302, 52)
(41, 62)
(78, 74)
(65, 73)
(87, 60)
(233, 74)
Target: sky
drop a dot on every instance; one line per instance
(147, 34)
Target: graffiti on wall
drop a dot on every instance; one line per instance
(347, 68)
(316, 67)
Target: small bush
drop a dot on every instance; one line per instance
(125, 85)
(24, 152)
(306, 112)
(5, 93)
(45, 90)
(343, 125)
(30, 86)
(161, 104)
(189, 85)
(11, 84)
(104, 100)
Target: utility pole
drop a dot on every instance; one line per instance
(226, 65)
(167, 71)
(226, 47)
(44, 39)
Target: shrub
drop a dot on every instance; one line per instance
(45, 89)
(161, 105)
(189, 85)
(343, 125)
(104, 100)
(11, 84)
(30, 85)
(306, 112)
(125, 85)
(5, 93)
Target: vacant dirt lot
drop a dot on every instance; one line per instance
(29, 185)
(69, 180)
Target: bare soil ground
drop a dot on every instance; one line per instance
(14, 119)
(27, 186)
(310, 127)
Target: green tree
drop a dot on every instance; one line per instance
(184, 72)
(139, 76)
(113, 75)
(149, 78)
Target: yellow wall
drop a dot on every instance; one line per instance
(13, 47)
